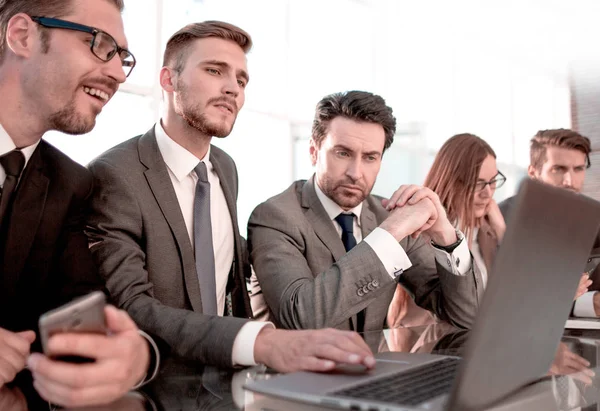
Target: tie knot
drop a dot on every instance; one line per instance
(346, 221)
(13, 163)
(201, 172)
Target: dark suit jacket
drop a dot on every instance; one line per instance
(139, 240)
(46, 261)
(309, 281)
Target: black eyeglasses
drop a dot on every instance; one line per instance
(494, 183)
(103, 45)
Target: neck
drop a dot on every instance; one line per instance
(19, 116)
(185, 135)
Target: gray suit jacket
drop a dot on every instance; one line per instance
(139, 240)
(309, 281)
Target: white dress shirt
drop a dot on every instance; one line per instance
(584, 305)
(476, 252)
(390, 252)
(180, 164)
(7, 145)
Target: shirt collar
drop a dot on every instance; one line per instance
(179, 160)
(332, 208)
(7, 145)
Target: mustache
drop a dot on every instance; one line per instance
(231, 102)
(112, 85)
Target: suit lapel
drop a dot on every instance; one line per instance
(164, 193)
(27, 210)
(488, 245)
(320, 221)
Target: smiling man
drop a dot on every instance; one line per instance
(61, 61)
(327, 253)
(164, 227)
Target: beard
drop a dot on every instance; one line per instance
(344, 197)
(69, 121)
(193, 115)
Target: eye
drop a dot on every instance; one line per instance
(343, 154)
(242, 83)
(213, 71)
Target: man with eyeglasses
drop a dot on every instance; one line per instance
(560, 157)
(327, 253)
(59, 66)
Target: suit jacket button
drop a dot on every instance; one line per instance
(370, 286)
(360, 292)
(364, 289)
(375, 283)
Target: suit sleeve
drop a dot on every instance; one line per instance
(297, 298)
(453, 298)
(116, 229)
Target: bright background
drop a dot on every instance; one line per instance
(498, 69)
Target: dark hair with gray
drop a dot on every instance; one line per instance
(355, 105)
(178, 45)
(561, 137)
(42, 8)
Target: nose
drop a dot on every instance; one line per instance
(486, 192)
(567, 179)
(231, 86)
(354, 170)
(114, 69)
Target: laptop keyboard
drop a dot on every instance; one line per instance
(408, 387)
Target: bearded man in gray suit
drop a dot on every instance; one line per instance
(163, 227)
(305, 244)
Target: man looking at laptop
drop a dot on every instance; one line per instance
(306, 247)
(560, 157)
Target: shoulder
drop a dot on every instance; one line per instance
(64, 171)
(285, 205)
(122, 155)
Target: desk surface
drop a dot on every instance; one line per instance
(184, 386)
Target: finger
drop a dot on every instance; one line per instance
(354, 343)
(422, 193)
(402, 195)
(84, 345)
(19, 343)
(13, 360)
(74, 375)
(68, 397)
(332, 353)
(7, 371)
(29, 336)
(384, 202)
(118, 320)
(312, 363)
(577, 360)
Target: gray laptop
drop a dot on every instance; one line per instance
(515, 336)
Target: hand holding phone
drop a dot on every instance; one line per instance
(82, 315)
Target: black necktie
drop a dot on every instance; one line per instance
(205, 257)
(346, 221)
(12, 163)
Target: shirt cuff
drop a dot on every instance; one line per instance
(243, 346)
(584, 305)
(154, 364)
(458, 261)
(390, 252)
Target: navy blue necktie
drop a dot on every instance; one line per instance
(203, 244)
(12, 163)
(346, 221)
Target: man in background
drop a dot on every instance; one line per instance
(560, 157)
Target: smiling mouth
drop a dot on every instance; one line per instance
(94, 92)
(226, 107)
